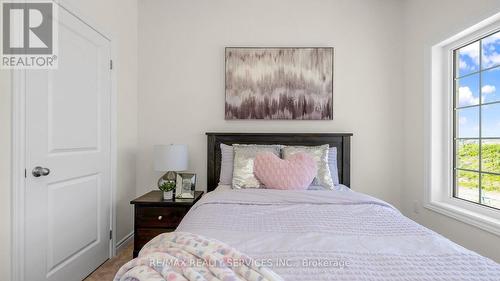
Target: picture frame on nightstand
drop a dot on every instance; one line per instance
(185, 185)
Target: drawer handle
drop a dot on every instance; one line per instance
(160, 218)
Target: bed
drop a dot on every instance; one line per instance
(324, 235)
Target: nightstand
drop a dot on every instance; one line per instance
(154, 216)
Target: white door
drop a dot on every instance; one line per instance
(67, 211)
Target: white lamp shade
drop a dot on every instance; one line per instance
(171, 157)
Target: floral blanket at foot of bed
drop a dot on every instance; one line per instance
(186, 256)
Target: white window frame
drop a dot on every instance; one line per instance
(439, 133)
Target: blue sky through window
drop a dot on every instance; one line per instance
(491, 51)
(468, 88)
(491, 85)
(490, 122)
(468, 122)
(468, 59)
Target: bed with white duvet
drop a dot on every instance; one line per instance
(322, 233)
(331, 235)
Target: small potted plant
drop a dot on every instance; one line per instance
(168, 189)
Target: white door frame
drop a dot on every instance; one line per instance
(19, 168)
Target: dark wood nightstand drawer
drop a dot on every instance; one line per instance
(144, 235)
(159, 216)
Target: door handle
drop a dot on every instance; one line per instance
(40, 171)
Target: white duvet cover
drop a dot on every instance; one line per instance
(332, 235)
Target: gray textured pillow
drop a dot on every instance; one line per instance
(320, 155)
(226, 164)
(244, 156)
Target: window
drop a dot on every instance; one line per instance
(476, 130)
(462, 126)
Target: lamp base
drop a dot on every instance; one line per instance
(169, 176)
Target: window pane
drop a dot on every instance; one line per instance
(468, 122)
(490, 120)
(490, 88)
(477, 115)
(490, 192)
(468, 59)
(490, 155)
(468, 90)
(468, 154)
(468, 185)
(491, 50)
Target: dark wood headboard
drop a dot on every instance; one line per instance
(342, 141)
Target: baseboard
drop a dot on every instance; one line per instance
(123, 242)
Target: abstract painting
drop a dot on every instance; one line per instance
(279, 83)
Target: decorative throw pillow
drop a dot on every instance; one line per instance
(244, 156)
(226, 164)
(320, 155)
(295, 173)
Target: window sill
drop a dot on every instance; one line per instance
(466, 215)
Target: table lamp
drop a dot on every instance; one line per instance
(170, 158)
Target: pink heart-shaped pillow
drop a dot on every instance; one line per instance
(295, 173)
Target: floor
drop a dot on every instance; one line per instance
(107, 271)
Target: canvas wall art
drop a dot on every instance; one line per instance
(279, 83)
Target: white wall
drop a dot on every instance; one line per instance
(118, 18)
(426, 24)
(181, 77)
